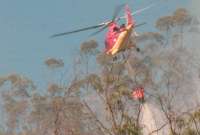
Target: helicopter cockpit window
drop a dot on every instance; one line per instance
(122, 26)
(116, 29)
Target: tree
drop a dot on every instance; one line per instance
(97, 98)
(165, 24)
(181, 19)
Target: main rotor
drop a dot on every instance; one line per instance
(102, 26)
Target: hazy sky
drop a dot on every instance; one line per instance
(25, 27)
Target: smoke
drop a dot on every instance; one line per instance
(152, 119)
(193, 42)
(189, 96)
(195, 11)
(194, 39)
(194, 7)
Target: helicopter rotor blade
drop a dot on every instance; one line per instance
(115, 14)
(143, 9)
(117, 11)
(101, 29)
(140, 24)
(137, 11)
(104, 25)
(78, 30)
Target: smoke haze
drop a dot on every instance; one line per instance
(195, 7)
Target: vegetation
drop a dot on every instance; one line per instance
(98, 100)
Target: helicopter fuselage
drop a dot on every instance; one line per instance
(116, 42)
(117, 37)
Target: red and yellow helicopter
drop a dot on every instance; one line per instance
(117, 37)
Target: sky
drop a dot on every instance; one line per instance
(26, 25)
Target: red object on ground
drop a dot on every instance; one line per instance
(138, 93)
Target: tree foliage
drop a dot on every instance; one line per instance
(99, 101)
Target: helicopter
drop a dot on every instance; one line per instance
(117, 37)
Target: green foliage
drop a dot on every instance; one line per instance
(129, 127)
(158, 37)
(62, 109)
(53, 63)
(89, 47)
(189, 131)
(165, 23)
(103, 59)
(196, 115)
(95, 82)
(182, 17)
